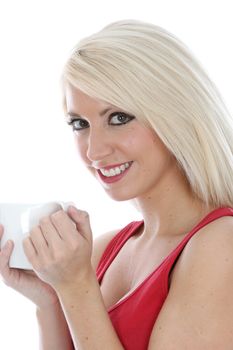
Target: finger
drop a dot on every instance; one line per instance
(5, 254)
(1, 230)
(64, 225)
(82, 221)
(1, 234)
(50, 233)
(30, 250)
(39, 242)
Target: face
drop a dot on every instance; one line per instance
(127, 158)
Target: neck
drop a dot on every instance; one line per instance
(171, 208)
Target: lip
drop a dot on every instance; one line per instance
(111, 166)
(115, 178)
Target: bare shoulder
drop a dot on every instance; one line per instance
(215, 237)
(208, 253)
(99, 246)
(197, 313)
(218, 227)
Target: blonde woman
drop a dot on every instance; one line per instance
(151, 127)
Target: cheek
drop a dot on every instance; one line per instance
(154, 149)
(141, 141)
(130, 139)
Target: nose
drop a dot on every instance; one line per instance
(99, 145)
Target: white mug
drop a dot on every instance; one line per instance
(18, 219)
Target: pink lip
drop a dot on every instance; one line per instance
(112, 179)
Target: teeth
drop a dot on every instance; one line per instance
(114, 171)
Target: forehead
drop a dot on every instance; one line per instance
(79, 102)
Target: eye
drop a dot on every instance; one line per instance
(119, 118)
(78, 124)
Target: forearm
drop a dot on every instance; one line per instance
(87, 317)
(54, 333)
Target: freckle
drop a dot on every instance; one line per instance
(72, 306)
(86, 338)
(87, 291)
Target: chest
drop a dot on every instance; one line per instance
(132, 265)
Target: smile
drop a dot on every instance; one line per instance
(115, 171)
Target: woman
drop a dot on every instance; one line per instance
(151, 127)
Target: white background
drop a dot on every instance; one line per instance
(37, 153)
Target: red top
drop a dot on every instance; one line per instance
(134, 316)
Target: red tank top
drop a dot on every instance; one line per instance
(134, 316)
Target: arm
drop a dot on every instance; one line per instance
(54, 333)
(87, 317)
(198, 312)
(60, 250)
(59, 337)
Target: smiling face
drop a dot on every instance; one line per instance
(127, 158)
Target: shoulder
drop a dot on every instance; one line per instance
(197, 313)
(99, 245)
(208, 254)
(212, 241)
(219, 229)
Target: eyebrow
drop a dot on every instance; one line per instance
(72, 115)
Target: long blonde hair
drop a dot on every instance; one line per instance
(147, 71)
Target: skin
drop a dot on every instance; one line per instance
(61, 250)
(154, 180)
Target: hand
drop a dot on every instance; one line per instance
(60, 248)
(24, 281)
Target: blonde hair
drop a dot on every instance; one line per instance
(148, 72)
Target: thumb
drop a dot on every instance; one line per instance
(5, 254)
(1, 230)
(82, 221)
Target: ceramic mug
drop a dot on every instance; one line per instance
(18, 219)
